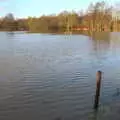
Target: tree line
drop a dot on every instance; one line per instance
(98, 17)
(9, 23)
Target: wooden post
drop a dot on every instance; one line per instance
(98, 85)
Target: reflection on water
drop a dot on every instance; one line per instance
(52, 77)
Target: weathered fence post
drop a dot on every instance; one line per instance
(98, 85)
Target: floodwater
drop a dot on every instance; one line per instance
(52, 77)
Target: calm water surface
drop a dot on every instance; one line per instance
(52, 77)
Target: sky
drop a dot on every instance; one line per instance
(25, 8)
